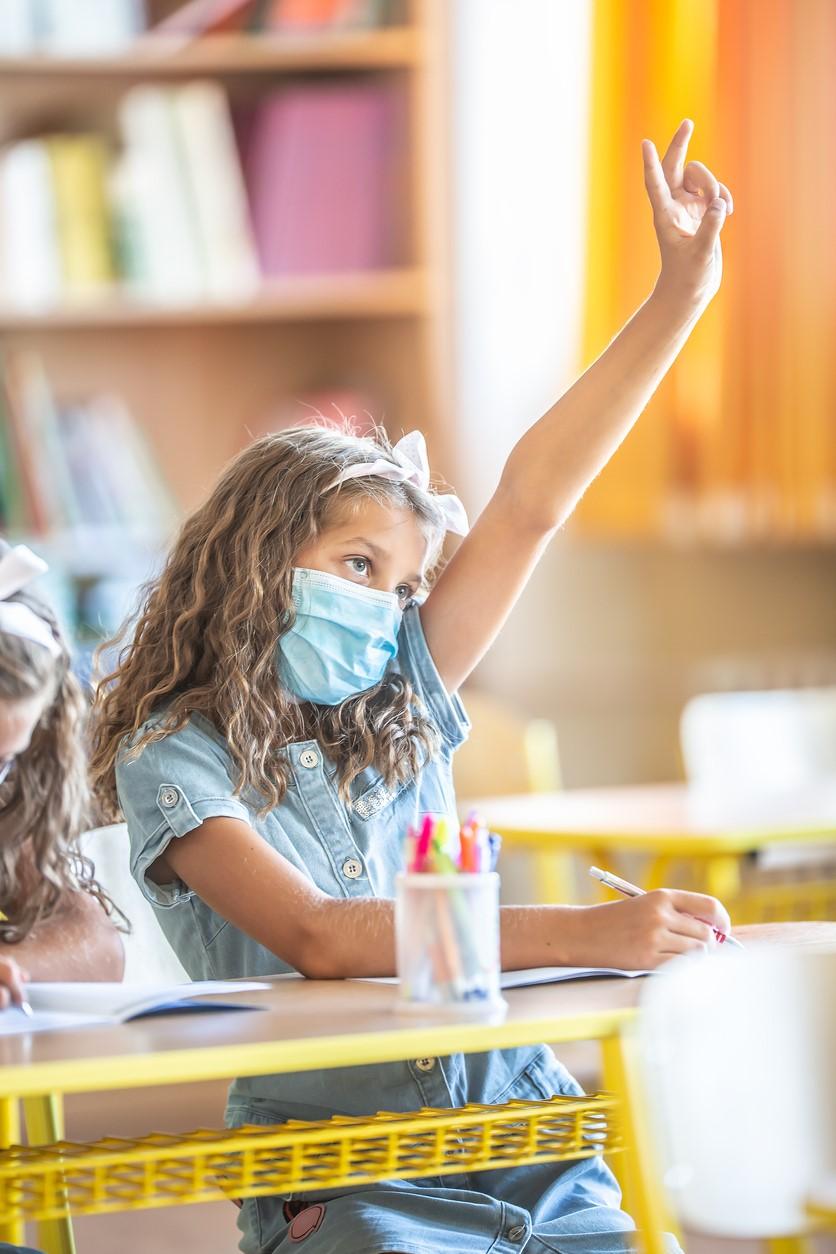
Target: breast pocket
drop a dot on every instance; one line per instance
(377, 797)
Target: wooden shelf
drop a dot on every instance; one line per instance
(374, 294)
(388, 48)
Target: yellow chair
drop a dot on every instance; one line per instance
(506, 752)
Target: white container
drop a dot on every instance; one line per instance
(447, 934)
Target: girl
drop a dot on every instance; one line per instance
(54, 923)
(287, 706)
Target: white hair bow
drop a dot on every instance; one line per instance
(18, 567)
(411, 465)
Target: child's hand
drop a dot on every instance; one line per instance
(640, 933)
(12, 979)
(689, 209)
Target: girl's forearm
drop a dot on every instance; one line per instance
(357, 938)
(555, 461)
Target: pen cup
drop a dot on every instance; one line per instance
(447, 934)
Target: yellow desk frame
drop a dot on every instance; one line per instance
(52, 1179)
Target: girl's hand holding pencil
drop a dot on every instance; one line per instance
(647, 930)
(632, 890)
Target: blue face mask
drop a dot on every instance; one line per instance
(343, 638)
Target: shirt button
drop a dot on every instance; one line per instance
(169, 797)
(425, 1064)
(352, 869)
(516, 1233)
(309, 759)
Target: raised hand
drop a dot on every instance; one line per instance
(690, 207)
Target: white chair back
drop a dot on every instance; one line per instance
(762, 757)
(739, 1056)
(148, 956)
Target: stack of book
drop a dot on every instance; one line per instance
(194, 206)
(208, 17)
(69, 27)
(79, 469)
(88, 28)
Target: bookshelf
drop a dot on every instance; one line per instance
(199, 375)
(387, 48)
(383, 294)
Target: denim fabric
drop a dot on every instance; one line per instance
(355, 851)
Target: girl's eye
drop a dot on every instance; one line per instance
(360, 565)
(403, 592)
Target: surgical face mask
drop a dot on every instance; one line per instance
(342, 640)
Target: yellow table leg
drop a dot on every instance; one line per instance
(658, 873)
(44, 1116)
(644, 1198)
(722, 877)
(10, 1135)
(788, 1245)
(553, 875)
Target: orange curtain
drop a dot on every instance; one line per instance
(739, 443)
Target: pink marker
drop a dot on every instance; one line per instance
(422, 847)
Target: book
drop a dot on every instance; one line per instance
(317, 15)
(557, 975)
(539, 975)
(79, 166)
(75, 468)
(30, 263)
(18, 28)
(170, 267)
(317, 167)
(88, 27)
(80, 1005)
(30, 464)
(204, 17)
(217, 192)
(37, 420)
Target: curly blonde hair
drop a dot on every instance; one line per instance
(206, 635)
(44, 801)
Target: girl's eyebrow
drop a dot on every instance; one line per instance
(375, 548)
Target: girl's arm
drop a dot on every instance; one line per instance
(555, 461)
(244, 880)
(78, 942)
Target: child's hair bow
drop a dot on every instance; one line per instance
(18, 567)
(411, 465)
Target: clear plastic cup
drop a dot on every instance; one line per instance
(447, 934)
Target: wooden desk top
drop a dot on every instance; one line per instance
(310, 1024)
(657, 818)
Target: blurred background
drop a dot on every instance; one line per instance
(219, 217)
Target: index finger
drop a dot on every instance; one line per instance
(673, 162)
(654, 177)
(703, 907)
(12, 977)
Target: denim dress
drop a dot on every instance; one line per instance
(354, 851)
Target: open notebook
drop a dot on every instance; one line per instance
(537, 975)
(78, 1005)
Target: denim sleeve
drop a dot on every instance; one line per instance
(165, 793)
(416, 663)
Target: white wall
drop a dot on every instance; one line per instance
(607, 641)
(520, 70)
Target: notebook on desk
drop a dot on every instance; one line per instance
(80, 1005)
(556, 975)
(537, 975)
